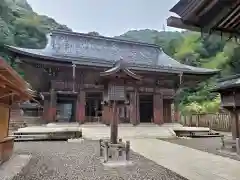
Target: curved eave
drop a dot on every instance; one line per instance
(42, 54)
(132, 74)
(111, 71)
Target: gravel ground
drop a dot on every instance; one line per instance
(211, 145)
(73, 161)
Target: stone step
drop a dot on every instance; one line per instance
(30, 137)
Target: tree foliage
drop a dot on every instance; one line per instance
(191, 48)
(21, 26)
(213, 52)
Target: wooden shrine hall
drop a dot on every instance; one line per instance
(67, 72)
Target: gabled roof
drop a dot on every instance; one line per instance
(217, 16)
(90, 50)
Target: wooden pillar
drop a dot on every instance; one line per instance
(158, 109)
(134, 107)
(235, 124)
(52, 106)
(114, 124)
(106, 115)
(167, 111)
(80, 107)
(45, 109)
(176, 113)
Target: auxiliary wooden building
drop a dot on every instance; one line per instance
(214, 17)
(67, 73)
(12, 89)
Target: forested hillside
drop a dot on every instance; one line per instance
(191, 48)
(21, 26)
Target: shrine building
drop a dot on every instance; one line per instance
(67, 72)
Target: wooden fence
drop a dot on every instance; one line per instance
(218, 122)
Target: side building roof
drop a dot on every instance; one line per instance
(228, 83)
(84, 49)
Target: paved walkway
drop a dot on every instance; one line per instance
(127, 131)
(190, 163)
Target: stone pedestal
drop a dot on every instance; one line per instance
(238, 146)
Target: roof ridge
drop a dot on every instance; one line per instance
(103, 37)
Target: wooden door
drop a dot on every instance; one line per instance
(167, 112)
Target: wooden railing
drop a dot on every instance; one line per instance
(218, 121)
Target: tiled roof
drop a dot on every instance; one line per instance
(104, 52)
(229, 82)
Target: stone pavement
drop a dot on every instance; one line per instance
(189, 163)
(127, 131)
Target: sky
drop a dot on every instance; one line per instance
(107, 17)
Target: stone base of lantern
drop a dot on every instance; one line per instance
(115, 154)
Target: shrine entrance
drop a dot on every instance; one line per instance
(93, 108)
(66, 109)
(146, 108)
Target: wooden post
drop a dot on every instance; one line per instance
(236, 123)
(114, 124)
(197, 121)
(105, 151)
(80, 107)
(46, 110)
(127, 150)
(158, 109)
(74, 77)
(52, 106)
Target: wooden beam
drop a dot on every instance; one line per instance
(194, 10)
(179, 23)
(230, 17)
